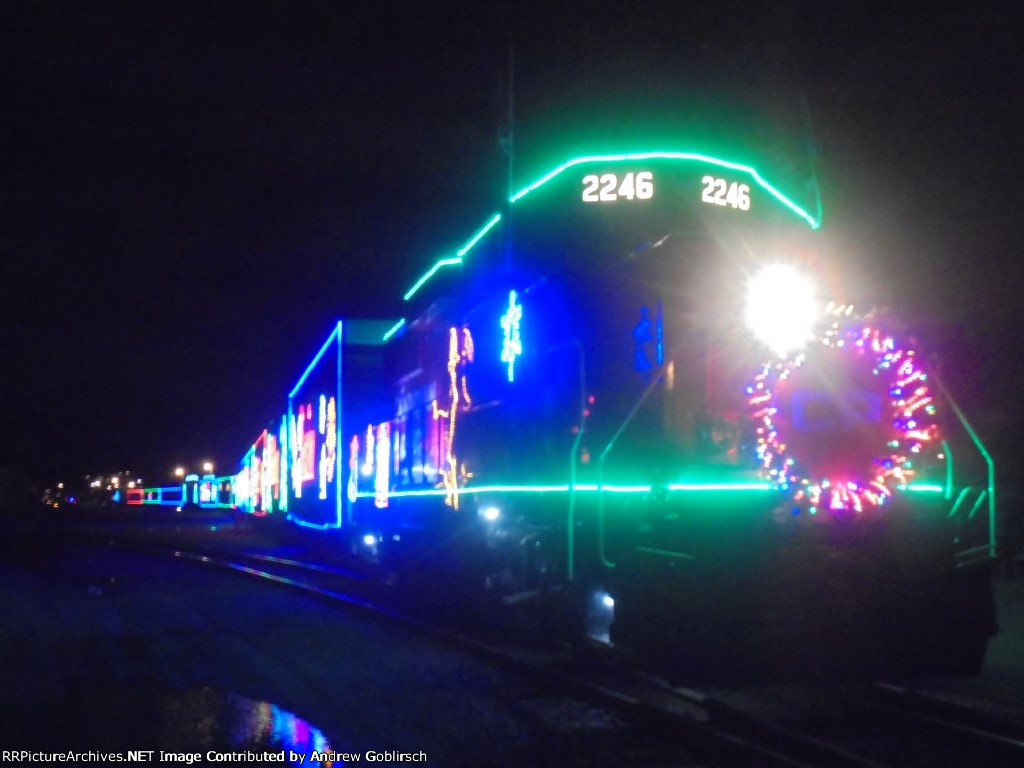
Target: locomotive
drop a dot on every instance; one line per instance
(635, 404)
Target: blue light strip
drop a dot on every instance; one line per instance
(283, 449)
(337, 333)
(813, 222)
(312, 365)
(316, 526)
(246, 463)
(339, 419)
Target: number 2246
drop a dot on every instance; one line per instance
(720, 192)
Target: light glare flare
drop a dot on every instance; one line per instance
(782, 308)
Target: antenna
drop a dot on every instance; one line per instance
(510, 153)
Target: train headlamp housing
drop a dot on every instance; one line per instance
(782, 308)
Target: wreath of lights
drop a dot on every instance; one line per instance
(909, 408)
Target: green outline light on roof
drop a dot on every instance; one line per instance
(629, 157)
(476, 238)
(429, 274)
(579, 487)
(457, 258)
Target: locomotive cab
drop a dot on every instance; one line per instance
(618, 408)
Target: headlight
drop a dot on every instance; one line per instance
(782, 308)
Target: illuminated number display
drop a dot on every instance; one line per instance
(609, 187)
(720, 192)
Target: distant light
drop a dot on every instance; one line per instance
(207, 466)
(369, 540)
(491, 513)
(608, 601)
(782, 308)
(179, 472)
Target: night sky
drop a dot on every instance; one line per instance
(193, 193)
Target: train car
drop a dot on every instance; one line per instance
(295, 471)
(256, 487)
(168, 496)
(207, 491)
(637, 396)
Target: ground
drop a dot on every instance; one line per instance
(112, 650)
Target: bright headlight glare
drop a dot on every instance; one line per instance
(782, 308)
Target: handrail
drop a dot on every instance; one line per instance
(989, 462)
(600, 465)
(959, 500)
(948, 451)
(570, 523)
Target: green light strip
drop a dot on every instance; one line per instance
(630, 157)
(721, 487)
(977, 504)
(586, 487)
(813, 222)
(430, 273)
(989, 463)
(959, 500)
(949, 469)
(393, 330)
(457, 258)
(476, 238)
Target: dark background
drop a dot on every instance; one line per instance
(194, 193)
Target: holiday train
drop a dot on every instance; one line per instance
(627, 389)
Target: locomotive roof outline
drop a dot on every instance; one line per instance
(785, 202)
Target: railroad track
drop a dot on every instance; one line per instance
(881, 726)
